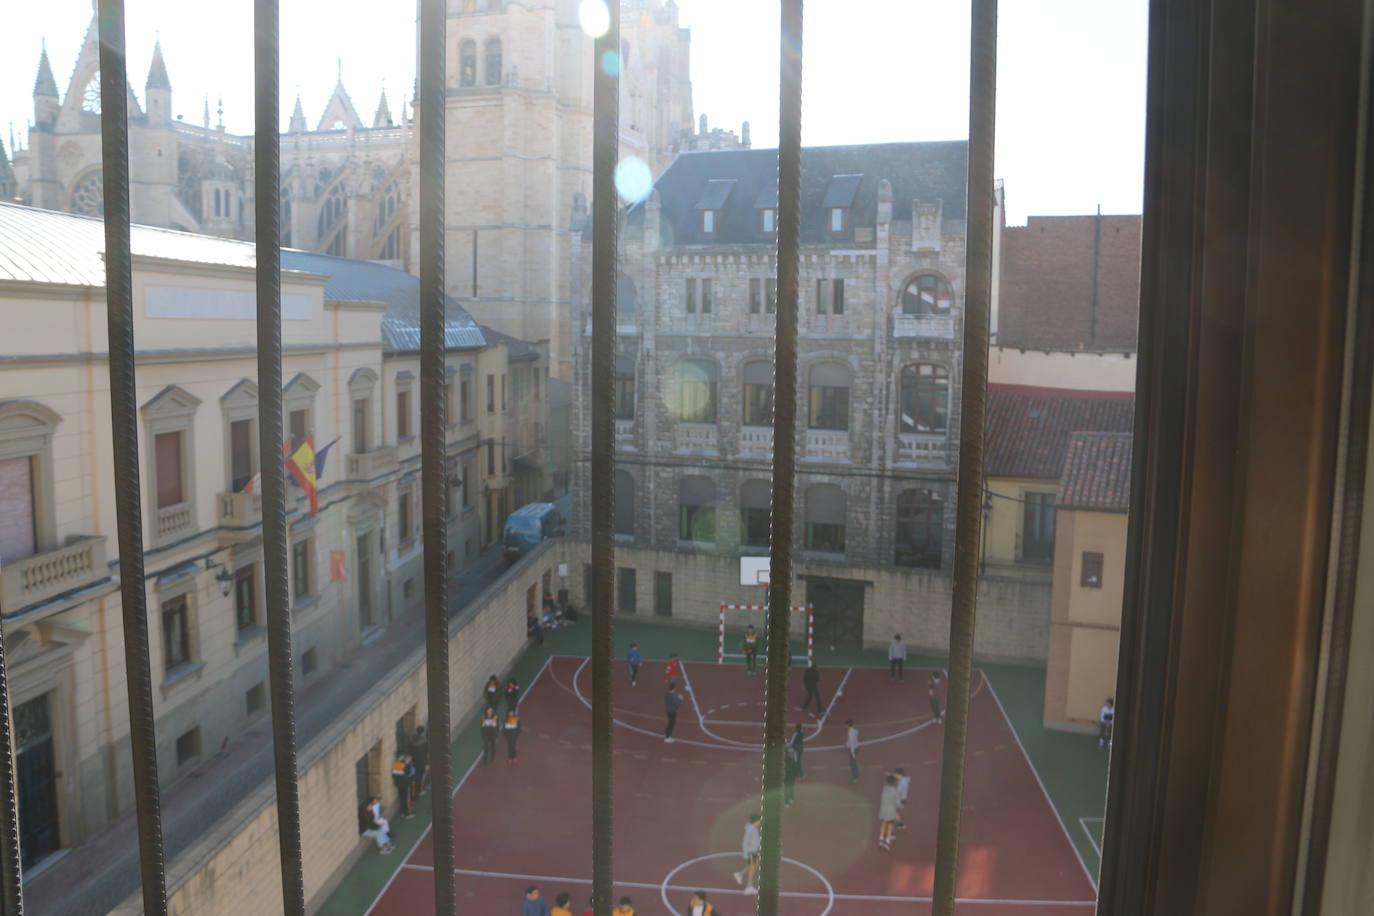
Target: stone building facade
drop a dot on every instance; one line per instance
(882, 297)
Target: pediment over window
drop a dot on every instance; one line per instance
(301, 386)
(362, 381)
(172, 401)
(243, 394)
(25, 427)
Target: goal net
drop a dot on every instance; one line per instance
(735, 617)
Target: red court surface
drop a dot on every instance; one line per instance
(681, 807)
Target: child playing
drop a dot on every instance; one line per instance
(673, 670)
(632, 659)
(697, 905)
(751, 847)
(491, 727)
(512, 732)
(624, 909)
(887, 812)
(491, 693)
(375, 827)
(751, 649)
(562, 905)
(903, 787)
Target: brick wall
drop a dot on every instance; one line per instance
(235, 868)
(1046, 292)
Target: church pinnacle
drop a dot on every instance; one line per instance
(44, 86)
(297, 117)
(383, 116)
(157, 72)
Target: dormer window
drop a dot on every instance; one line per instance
(840, 194)
(708, 222)
(711, 205)
(839, 220)
(768, 220)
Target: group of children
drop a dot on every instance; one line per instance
(493, 725)
(410, 776)
(534, 905)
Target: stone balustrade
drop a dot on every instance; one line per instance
(34, 579)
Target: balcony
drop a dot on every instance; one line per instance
(696, 439)
(827, 445)
(42, 576)
(625, 436)
(923, 449)
(370, 465)
(756, 441)
(174, 520)
(930, 327)
(240, 510)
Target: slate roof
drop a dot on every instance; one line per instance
(917, 171)
(516, 349)
(1028, 433)
(1097, 473)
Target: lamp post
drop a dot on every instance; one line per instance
(224, 578)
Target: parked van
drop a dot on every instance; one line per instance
(529, 526)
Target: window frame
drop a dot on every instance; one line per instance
(938, 372)
(1091, 561)
(172, 410)
(914, 281)
(710, 414)
(467, 64)
(825, 536)
(925, 508)
(361, 387)
(401, 401)
(238, 405)
(1045, 518)
(492, 75)
(823, 400)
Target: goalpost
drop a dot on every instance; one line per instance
(737, 616)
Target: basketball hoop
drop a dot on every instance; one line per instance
(753, 572)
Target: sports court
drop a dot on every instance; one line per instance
(680, 807)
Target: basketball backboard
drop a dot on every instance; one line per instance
(753, 571)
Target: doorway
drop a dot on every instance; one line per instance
(36, 773)
(364, 563)
(838, 605)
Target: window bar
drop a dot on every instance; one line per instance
(978, 294)
(267, 169)
(605, 253)
(119, 297)
(433, 16)
(11, 866)
(784, 448)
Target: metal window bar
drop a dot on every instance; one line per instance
(11, 867)
(119, 297)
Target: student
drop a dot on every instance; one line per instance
(896, 657)
(673, 670)
(903, 787)
(591, 906)
(632, 658)
(671, 701)
(851, 743)
(887, 812)
(790, 768)
(372, 825)
(534, 904)
(751, 649)
(533, 629)
(400, 778)
(811, 679)
(562, 905)
(624, 909)
(491, 693)
(797, 744)
(512, 695)
(1106, 716)
(491, 727)
(751, 846)
(697, 905)
(933, 690)
(511, 729)
(419, 755)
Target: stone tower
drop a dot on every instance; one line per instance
(519, 125)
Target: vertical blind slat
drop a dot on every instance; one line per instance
(968, 512)
(784, 448)
(267, 188)
(114, 148)
(433, 15)
(605, 255)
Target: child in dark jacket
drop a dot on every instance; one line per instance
(511, 729)
(491, 693)
(512, 694)
(491, 727)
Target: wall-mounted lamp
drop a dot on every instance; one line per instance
(224, 577)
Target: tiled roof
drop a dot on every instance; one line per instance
(1097, 473)
(1028, 434)
(515, 347)
(917, 171)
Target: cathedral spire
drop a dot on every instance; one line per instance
(206, 117)
(383, 116)
(157, 72)
(298, 117)
(44, 86)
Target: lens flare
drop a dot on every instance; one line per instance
(633, 180)
(594, 16)
(610, 62)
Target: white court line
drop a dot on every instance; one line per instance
(472, 766)
(839, 692)
(1083, 822)
(1036, 774)
(688, 888)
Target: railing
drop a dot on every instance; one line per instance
(370, 465)
(918, 448)
(827, 444)
(756, 441)
(45, 575)
(625, 435)
(173, 520)
(934, 327)
(240, 510)
(699, 438)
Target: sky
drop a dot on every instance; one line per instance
(1071, 75)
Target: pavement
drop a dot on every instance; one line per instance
(100, 874)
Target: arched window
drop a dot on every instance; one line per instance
(825, 512)
(391, 251)
(925, 399)
(624, 387)
(217, 204)
(758, 393)
(493, 73)
(467, 63)
(920, 529)
(829, 396)
(696, 391)
(626, 296)
(624, 503)
(697, 509)
(755, 505)
(88, 197)
(927, 294)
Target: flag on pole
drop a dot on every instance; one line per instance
(338, 571)
(320, 457)
(301, 464)
(254, 484)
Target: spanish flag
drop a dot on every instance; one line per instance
(301, 464)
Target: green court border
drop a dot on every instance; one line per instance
(1070, 766)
